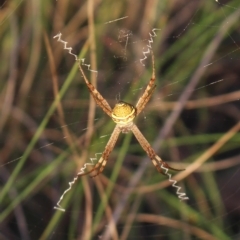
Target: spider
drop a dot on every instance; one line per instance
(123, 115)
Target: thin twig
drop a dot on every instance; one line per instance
(165, 221)
(91, 116)
(193, 104)
(70, 139)
(7, 100)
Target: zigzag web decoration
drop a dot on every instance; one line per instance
(82, 170)
(182, 196)
(149, 46)
(59, 39)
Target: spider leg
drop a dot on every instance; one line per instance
(143, 100)
(101, 102)
(156, 160)
(99, 167)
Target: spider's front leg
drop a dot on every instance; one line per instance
(156, 160)
(99, 99)
(143, 100)
(99, 167)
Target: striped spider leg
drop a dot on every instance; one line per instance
(101, 102)
(156, 160)
(98, 168)
(143, 100)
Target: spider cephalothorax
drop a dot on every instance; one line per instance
(123, 114)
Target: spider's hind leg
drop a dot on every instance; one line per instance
(158, 163)
(99, 167)
(162, 166)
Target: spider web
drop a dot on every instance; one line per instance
(130, 199)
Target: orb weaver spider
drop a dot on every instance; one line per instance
(123, 115)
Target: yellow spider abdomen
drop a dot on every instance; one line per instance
(123, 113)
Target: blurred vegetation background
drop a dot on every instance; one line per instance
(50, 126)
